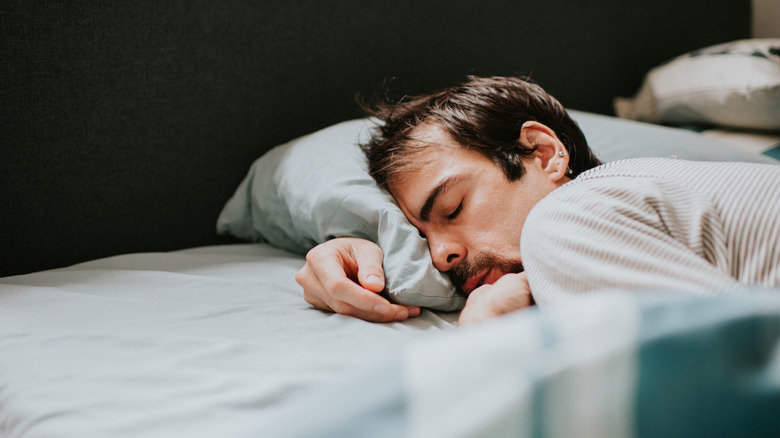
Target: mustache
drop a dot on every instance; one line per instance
(482, 261)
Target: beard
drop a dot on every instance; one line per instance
(482, 261)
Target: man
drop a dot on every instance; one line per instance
(501, 182)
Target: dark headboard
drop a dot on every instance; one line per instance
(126, 128)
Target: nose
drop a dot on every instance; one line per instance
(446, 254)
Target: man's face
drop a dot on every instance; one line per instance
(463, 203)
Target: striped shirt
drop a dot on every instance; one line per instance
(656, 225)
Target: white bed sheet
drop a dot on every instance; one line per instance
(200, 342)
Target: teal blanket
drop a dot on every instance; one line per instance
(616, 366)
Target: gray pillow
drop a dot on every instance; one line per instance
(616, 139)
(316, 187)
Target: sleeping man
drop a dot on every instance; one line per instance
(517, 210)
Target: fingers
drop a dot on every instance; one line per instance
(368, 259)
(330, 277)
(390, 313)
(508, 294)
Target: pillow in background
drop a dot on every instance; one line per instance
(735, 85)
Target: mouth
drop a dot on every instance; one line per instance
(478, 280)
(486, 268)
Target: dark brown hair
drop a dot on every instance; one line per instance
(484, 114)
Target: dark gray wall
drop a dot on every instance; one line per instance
(126, 128)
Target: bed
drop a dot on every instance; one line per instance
(163, 177)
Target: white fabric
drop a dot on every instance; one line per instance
(201, 342)
(732, 85)
(656, 224)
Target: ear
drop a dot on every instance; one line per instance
(550, 153)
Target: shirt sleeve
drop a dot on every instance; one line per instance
(627, 234)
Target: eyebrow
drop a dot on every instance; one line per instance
(440, 189)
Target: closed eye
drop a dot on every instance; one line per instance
(455, 213)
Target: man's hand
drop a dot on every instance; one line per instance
(344, 276)
(509, 293)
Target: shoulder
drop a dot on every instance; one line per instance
(603, 188)
(639, 181)
(667, 185)
(617, 203)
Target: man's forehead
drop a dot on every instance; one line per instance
(433, 172)
(425, 150)
(429, 145)
(431, 134)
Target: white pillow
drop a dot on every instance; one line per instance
(734, 85)
(316, 187)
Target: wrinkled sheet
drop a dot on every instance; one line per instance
(201, 342)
